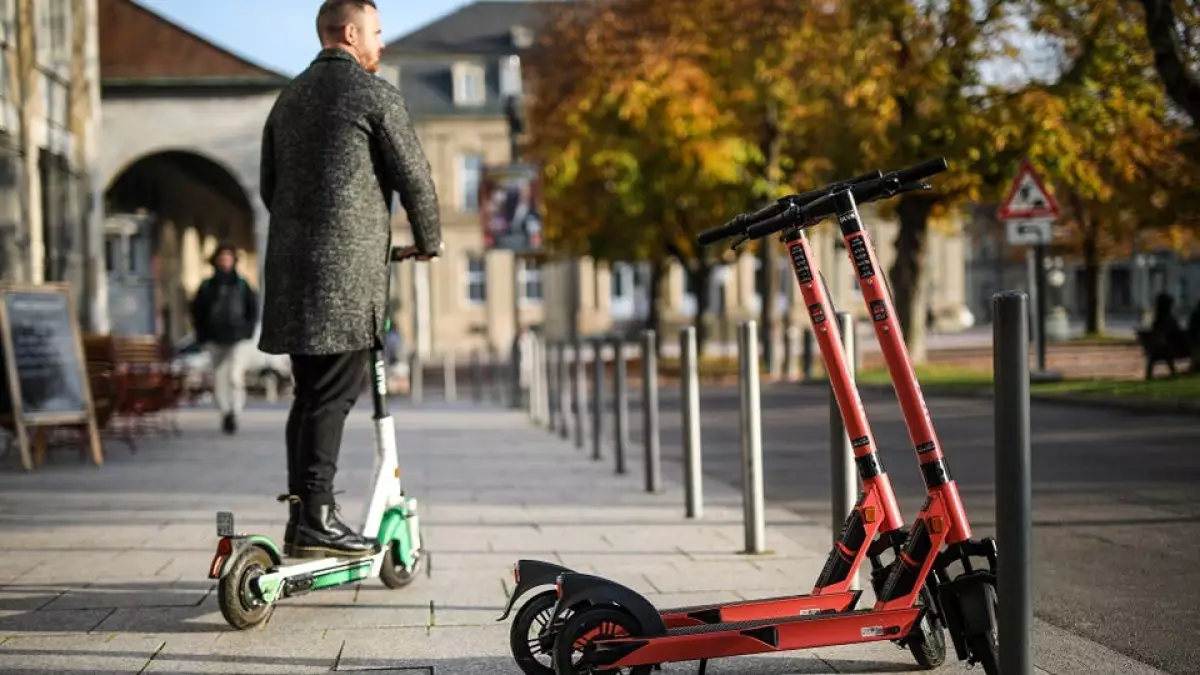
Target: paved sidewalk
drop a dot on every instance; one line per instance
(103, 569)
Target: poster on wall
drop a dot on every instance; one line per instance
(510, 207)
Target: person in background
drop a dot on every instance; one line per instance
(224, 316)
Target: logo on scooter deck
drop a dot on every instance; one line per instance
(862, 259)
(800, 263)
(816, 312)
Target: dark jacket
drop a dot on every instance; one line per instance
(224, 309)
(337, 143)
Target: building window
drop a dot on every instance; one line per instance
(54, 34)
(529, 276)
(8, 22)
(468, 84)
(510, 76)
(470, 172)
(476, 280)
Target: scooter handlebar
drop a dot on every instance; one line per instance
(746, 223)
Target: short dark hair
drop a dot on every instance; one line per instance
(335, 14)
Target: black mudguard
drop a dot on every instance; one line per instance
(963, 612)
(586, 589)
(532, 574)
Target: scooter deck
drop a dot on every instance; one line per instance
(758, 636)
(758, 608)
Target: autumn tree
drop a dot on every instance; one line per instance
(637, 156)
(1101, 133)
(934, 100)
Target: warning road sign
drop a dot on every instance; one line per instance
(1028, 198)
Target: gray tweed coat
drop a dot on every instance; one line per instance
(337, 143)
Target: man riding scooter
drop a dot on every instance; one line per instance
(337, 143)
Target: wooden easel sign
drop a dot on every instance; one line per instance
(45, 380)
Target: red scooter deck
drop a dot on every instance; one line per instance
(757, 637)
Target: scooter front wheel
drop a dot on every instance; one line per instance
(393, 573)
(240, 604)
(985, 647)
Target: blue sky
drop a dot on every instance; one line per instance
(279, 34)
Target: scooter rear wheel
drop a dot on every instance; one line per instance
(525, 635)
(240, 605)
(928, 640)
(588, 625)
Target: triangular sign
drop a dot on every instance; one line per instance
(1028, 198)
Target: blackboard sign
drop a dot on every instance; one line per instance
(43, 365)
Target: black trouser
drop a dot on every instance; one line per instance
(327, 387)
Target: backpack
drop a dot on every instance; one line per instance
(226, 317)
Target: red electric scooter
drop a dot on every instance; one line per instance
(874, 526)
(608, 627)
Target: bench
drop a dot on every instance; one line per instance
(1158, 346)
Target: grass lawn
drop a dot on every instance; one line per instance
(1105, 339)
(935, 375)
(1186, 387)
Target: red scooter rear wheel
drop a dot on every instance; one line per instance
(587, 626)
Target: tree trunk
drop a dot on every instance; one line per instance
(770, 288)
(771, 145)
(698, 277)
(1093, 280)
(657, 269)
(1181, 85)
(907, 273)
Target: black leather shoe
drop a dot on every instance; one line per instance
(320, 533)
(289, 533)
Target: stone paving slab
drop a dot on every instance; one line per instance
(133, 596)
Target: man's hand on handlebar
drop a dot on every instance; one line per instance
(401, 253)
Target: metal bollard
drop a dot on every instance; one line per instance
(752, 469)
(533, 404)
(597, 398)
(416, 378)
(578, 391)
(1014, 498)
(561, 396)
(450, 377)
(544, 387)
(791, 367)
(690, 383)
(496, 375)
(844, 475)
(476, 377)
(516, 398)
(620, 404)
(549, 364)
(650, 440)
(807, 354)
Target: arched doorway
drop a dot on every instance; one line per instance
(164, 215)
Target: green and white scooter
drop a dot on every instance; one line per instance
(251, 570)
